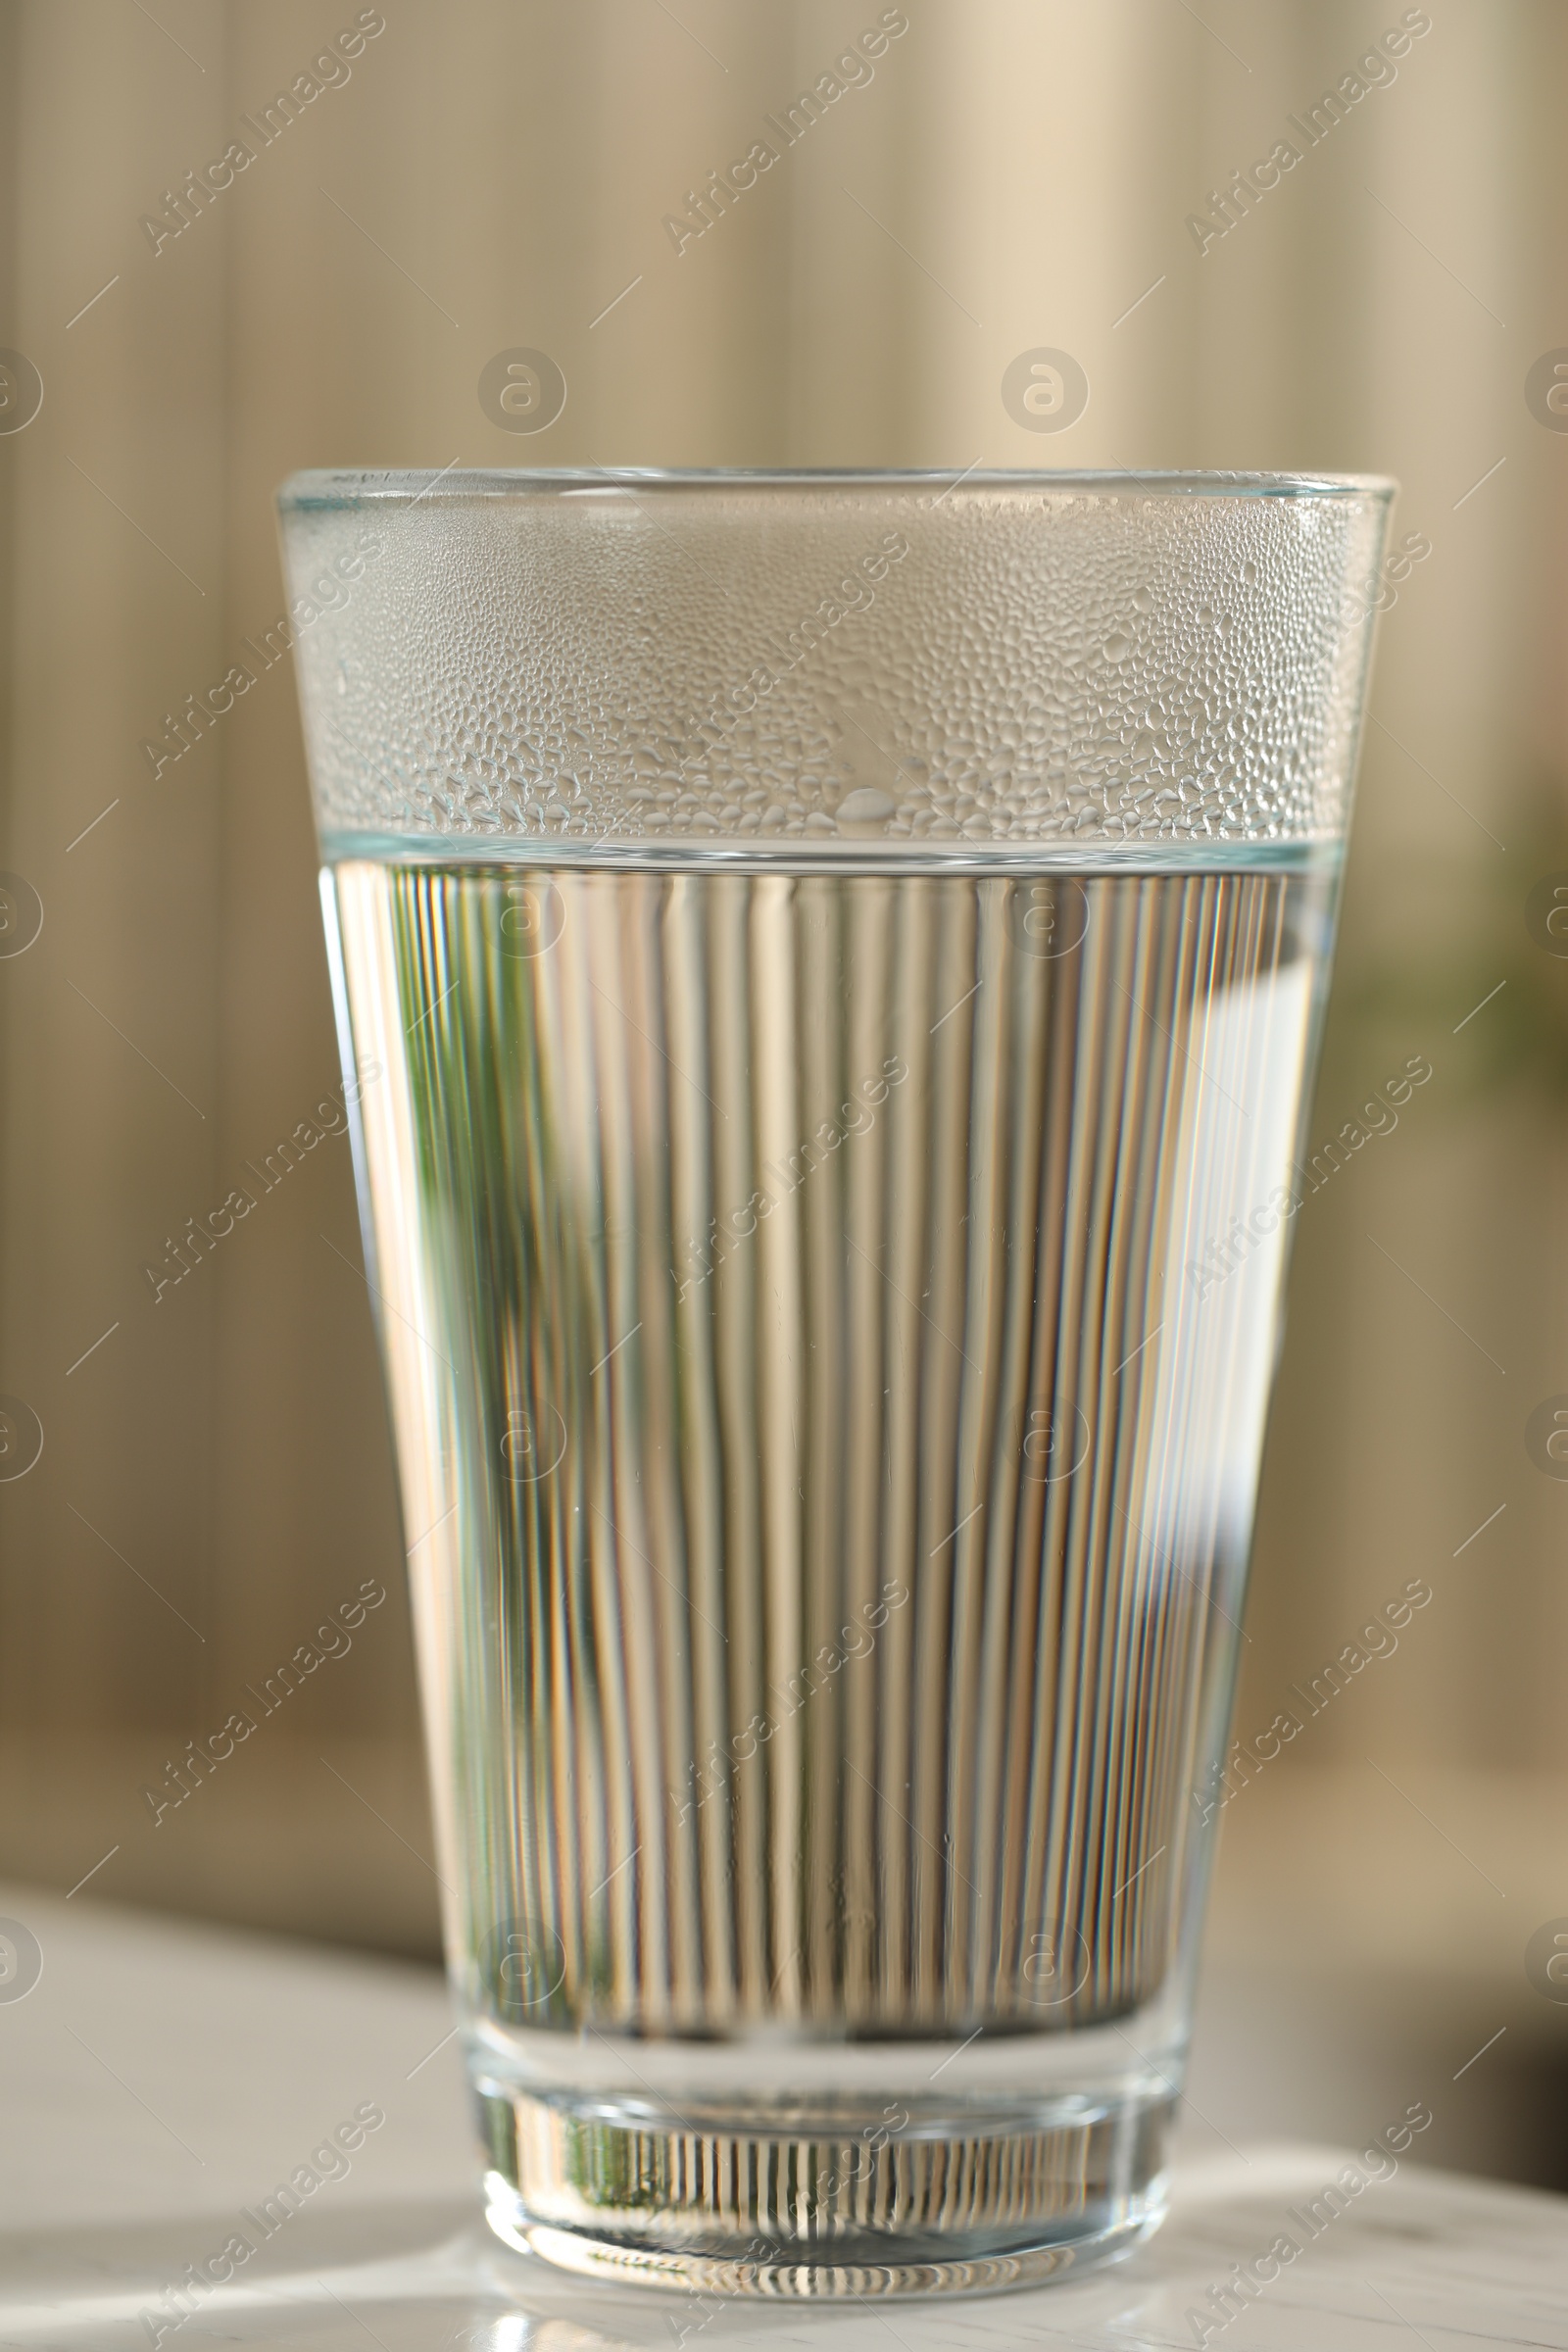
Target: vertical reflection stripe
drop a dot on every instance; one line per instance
(788, 1290)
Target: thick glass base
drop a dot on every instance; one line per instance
(824, 2205)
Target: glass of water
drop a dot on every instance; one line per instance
(830, 967)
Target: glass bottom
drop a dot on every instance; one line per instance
(826, 2206)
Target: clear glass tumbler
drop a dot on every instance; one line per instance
(830, 967)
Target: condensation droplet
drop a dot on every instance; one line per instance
(864, 810)
(1076, 666)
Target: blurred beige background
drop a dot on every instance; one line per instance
(1018, 173)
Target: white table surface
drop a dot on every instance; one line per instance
(161, 2076)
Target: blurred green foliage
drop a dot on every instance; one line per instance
(1393, 1000)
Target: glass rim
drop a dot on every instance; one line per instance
(314, 488)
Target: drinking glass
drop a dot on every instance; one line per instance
(829, 967)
